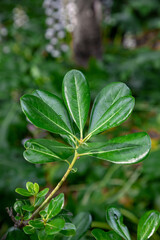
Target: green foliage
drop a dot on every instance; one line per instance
(147, 226)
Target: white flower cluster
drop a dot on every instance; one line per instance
(129, 41)
(3, 32)
(20, 17)
(59, 15)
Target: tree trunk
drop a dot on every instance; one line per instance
(87, 35)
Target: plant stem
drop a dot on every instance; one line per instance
(76, 155)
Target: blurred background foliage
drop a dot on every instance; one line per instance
(37, 48)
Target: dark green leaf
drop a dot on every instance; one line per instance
(127, 149)
(37, 223)
(148, 224)
(82, 222)
(76, 95)
(23, 192)
(69, 229)
(29, 229)
(115, 221)
(102, 235)
(105, 99)
(43, 192)
(43, 151)
(56, 105)
(42, 235)
(117, 113)
(54, 226)
(16, 234)
(28, 208)
(27, 215)
(55, 206)
(18, 206)
(44, 115)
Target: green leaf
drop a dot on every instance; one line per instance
(55, 206)
(127, 149)
(54, 226)
(42, 235)
(148, 224)
(46, 114)
(23, 192)
(43, 213)
(43, 151)
(69, 229)
(37, 223)
(29, 229)
(18, 206)
(115, 221)
(105, 99)
(43, 192)
(82, 222)
(16, 234)
(30, 187)
(28, 208)
(116, 114)
(102, 235)
(39, 201)
(36, 188)
(27, 215)
(76, 96)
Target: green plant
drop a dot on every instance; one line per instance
(41, 217)
(147, 226)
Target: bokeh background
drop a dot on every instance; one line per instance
(108, 40)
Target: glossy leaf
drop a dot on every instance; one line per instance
(55, 206)
(116, 114)
(30, 187)
(37, 223)
(115, 221)
(148, 224)
(23, 192)
(28, 208)
(46, 114)
(39, 201)
(36, 188)
(43, 151)
(54, 226)
(27, 215)
(76, 95)
(102, 235)
(127, 149)
(105, 99)
(82, 222)
(69, 229)
(18, 206)
(29, 229)
(43, 192)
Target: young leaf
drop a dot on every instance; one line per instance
(127, 149)
(30, 187)
(148, 224)
(23, 192)
(55, 206)
(102, 235)
(43, 192)
(37, 223)
(105, 99)
(82, 222)
(45, 115)
(28, 208)
(117, 113)
(69, 229)
(54, 226)
(29, 229)
(43, 151)
(76, 95)
(36, 188)
(115, 221)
